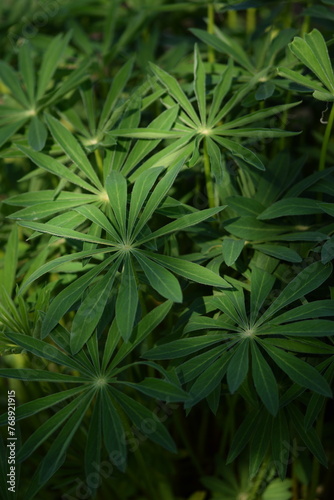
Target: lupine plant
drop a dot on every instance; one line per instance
(166, 291)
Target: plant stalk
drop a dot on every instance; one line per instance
(208, 178)
(250, 20)
(211, 30)
(254, 492)
(315, 464)
(324, 147)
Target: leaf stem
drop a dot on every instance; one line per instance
(98, 160)
(254, 492)
(324, 147)
(316, 465)
(211, 30)
(250, 20)
(208, 178)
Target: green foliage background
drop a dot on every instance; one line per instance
(166, 290)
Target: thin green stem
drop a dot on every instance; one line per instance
(208, 178)
(232, 19)
(324, 147)
(316, 465)
(250, 20)
(211, 29)
(254, 492)
(98, 160)
(183, 435)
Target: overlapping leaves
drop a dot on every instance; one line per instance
(126, 231)
(261, 335)
(100, 384)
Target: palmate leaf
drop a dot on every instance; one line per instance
(307, 280)
(299, 371)
(125, 234)
(192, 129)
(91, 309)
(106, 419)
(264, 380)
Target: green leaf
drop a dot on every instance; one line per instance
(37, 134)
(63, 232)
(264, 380)
(160, 389)
(116, 89)
(312, 51)
(189, 270)
(8, 273)
(156, 197)
(37, 405)
(290, 206)
(50, 426)
(309, 437)
(11, 80)
(27, 70)
(59, 446)
(164, 121)
(279, 252)
(51, 58)
(304, 346)
(94, 440)
(327, 251)
(280, 444)
(225, 45)
(257, 116)
(182, 347)
(231, 249)
(242, 435)
(307, 280)
(216, 163)
(139, 414)
(55, 167)
(113, 433)
(193, 367)
(6, 132)
(315, 309)
(264, 91)
(94, 214)
(159, 278)
(261, 285)
(208, 380)
(301, 79)
(220, 92)
(117, 192)
(49, 266)
(145, 133)
(238, 367)
(127, 300)
(41, 210)
(307, 328)
(44, 350)
(182, 223)
(72, 148)
(241, 152)
(67, 297)
(174, 89)
(259, 443)
(75, 78)
(328, 208)
(113, 338)
(40, 375)
(91, 309)
(299, 371)
(140, 192)
(199, 84)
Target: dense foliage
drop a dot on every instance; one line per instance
(165, 285)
